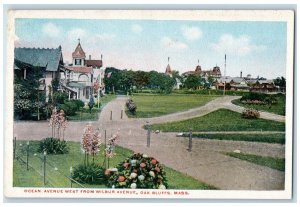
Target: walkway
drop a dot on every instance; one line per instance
(206, 162)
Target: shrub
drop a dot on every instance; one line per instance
(79, 103)
(90, 174)
(69, 108)
(53, 146)
(250, 114)
(60, 97)
(131, 106)
(137, 171)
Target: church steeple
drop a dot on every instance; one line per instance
(168, 68)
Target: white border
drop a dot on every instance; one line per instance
(219, 15)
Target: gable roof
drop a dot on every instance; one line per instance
(40, 57)
(78, 52)
(80, 69)
(93, 63)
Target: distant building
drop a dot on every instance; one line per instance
(215, 72)
(49, 61)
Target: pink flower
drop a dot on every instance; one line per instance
(143, 165)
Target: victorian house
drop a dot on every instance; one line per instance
(48, 61)
(81, 77)
(215, 72)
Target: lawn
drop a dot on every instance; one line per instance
(220, 120)
(278, 108)
(59, 168)
(84, 113)
(271, 162)
(269, 138)
(153, 105)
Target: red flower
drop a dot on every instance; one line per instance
(107, 172)
(154, 161)
(143, 164)
(121, 179)
(157, 169)
(126, 164)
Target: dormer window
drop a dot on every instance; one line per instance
(77, 61)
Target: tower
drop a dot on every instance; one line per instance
(78, 55)
(168, 69)
(225, 66)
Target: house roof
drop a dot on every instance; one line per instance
(40, 57)
(94, 63)
(80, 69)
(78, 52)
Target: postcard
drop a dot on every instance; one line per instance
(181, 104)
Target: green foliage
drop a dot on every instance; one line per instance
(27, 97)
(152, 105)
(191, 82)
(138, 171)
(69, 108)
(59, 97)
(220, 120)
(53, 146)
(268, 138)
(79, 103)
(91, 104)
(277, 108)
(272, 162)
(281, 82)
(90, 174)
(124, 81)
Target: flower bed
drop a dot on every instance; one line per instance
(137, 171)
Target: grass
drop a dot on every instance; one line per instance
(85, 115)
(153, 105)
(56, 178)
(278, 108)
(271, 162)
(220, 120)
(269, 138)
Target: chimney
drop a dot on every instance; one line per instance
(90, 57)
(241, 74)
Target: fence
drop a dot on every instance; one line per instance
(48, 172)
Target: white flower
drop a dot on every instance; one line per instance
(144, 155)
(162, 187)
(55, 168)
(141, 177)
(113, 186)
(114, 170)
(21, 144)
(35, 154)
(133, 185)
(133, 175)
(152, 174)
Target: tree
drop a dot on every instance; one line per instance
(192, 82)
(161, 82)
(91, 103)
(281, 82)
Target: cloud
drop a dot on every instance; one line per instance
(173, 44)
(191, 33)
(237, 45)
(76, 33)
(51, 30)
(17, 41)
(105, 37)
(136, 28)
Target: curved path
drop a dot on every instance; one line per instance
(206, 162)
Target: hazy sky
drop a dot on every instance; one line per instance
(256, 48)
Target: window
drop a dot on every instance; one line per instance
(77, 61)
